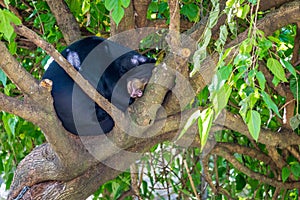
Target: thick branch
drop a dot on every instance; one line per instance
(127, 22)
(26, 110)
(95, 174)
(65, 20)
(89, 182)
(266, 5)
(23, 80)
(174, 15)
(161, 82)
(141, 7)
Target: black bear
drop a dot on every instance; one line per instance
(118, 73)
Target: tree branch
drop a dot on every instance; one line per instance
(235, 122)
(65, 20)
(223, 152)
(26, 110)
(23, 80)
(93, 173)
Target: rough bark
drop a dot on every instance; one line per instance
(127, 22)
(65, 20)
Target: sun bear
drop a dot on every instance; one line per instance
(118, 73)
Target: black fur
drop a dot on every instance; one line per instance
(107, 66)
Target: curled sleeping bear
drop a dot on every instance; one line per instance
(118, 73)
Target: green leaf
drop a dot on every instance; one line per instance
(261, 80)
(290, 67)
(224, 72)
(3, 78)
(12, 122)
(253, 123)
(203, 96)
(295, 168)
(213, 16)
(116, 8)
(230, 3)
(243, 11)
(192, 119)
(276, 68)
(153, 7)
(224, 56)
(125, 3)
(12, 47)
(295, 87)
(207, 36)
(276, 81)
(162, 7)
(270, 103)
(264, 46)
(204, 124)
(233, 27)
(221, 97)
(200, 54)
(6, 18)
(200, 129)
(117, 14)
(222, 38)
(252, 98)
(191, 11)
(246, 46)
(75, 6)
(286, 172)
(240, 182)
(295, 121)
(198, 58)
(110, 4)
(85, 6)
(244, 108)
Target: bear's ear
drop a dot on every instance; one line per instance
(126, 62)
(144, 59)
(73, 58)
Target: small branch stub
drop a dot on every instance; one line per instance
(47, 84)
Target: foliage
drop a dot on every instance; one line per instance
(18, 138)
(158, 10)
(117, 8)
(115, 188)
(91, 15)
(7, 30)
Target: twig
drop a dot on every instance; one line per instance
(294, 152)
(223, 152)
(134, 181)
(191, 180)
(276, 193)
